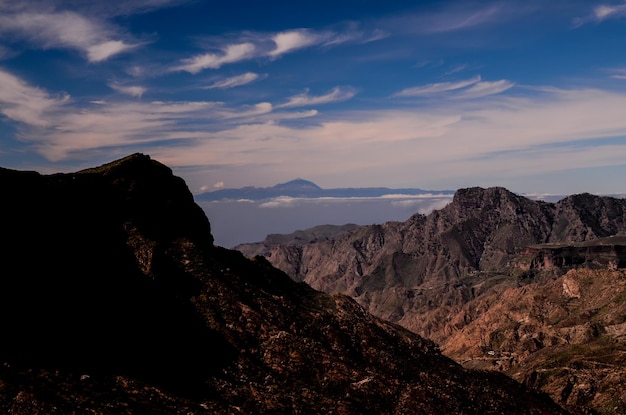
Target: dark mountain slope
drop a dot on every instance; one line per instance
(114, 300)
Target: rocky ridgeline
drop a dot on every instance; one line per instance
(115, 301)
(402, 271)
(454, 275)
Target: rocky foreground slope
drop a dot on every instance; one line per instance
(500, 281)
(113, 300)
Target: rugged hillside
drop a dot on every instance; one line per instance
(401, 270)
(440, 274)
(566, 336)
(115, 301)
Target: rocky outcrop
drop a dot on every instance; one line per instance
(607, 252)
(115, 301)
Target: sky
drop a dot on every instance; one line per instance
(529, 95)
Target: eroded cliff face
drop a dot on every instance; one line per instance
(447, 276)
(402, 271)
(115, 301)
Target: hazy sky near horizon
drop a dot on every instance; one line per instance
(530, 95)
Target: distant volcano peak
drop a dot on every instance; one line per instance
(298, 183)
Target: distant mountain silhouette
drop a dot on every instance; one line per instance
(305, 188)
(298, 184)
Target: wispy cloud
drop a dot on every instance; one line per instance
(437, 88)
(484, 88)
(104, 50)
(337, 94)
(601, 13)
(132, 90)
(73, 126)
(26, 104)
(377, 34)
(456, 69)
(230, 54)
(65, 30)
(102, 9)
(619, 74)
(235, 81)
(250, 45)
(468, 18)
(604, 12)
(293, 40)
(466, 89)
(247, 112)
(458, 16)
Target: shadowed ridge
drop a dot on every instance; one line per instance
(88, 280)
(158, 202)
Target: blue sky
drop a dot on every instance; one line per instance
(530, 95)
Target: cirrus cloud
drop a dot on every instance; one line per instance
(65, 30)
(466, 89)
(337, 94)
(293, 40)
(269, 46)
(601, 13)
(230, 54)
(26, 104)
(235, 81)
(133, 91)
(436, 88)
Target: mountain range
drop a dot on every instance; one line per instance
(115, 300)
(306, 189)
(501, 282)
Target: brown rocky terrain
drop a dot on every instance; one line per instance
(114, 300)
(566, 336)
(453, 275)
